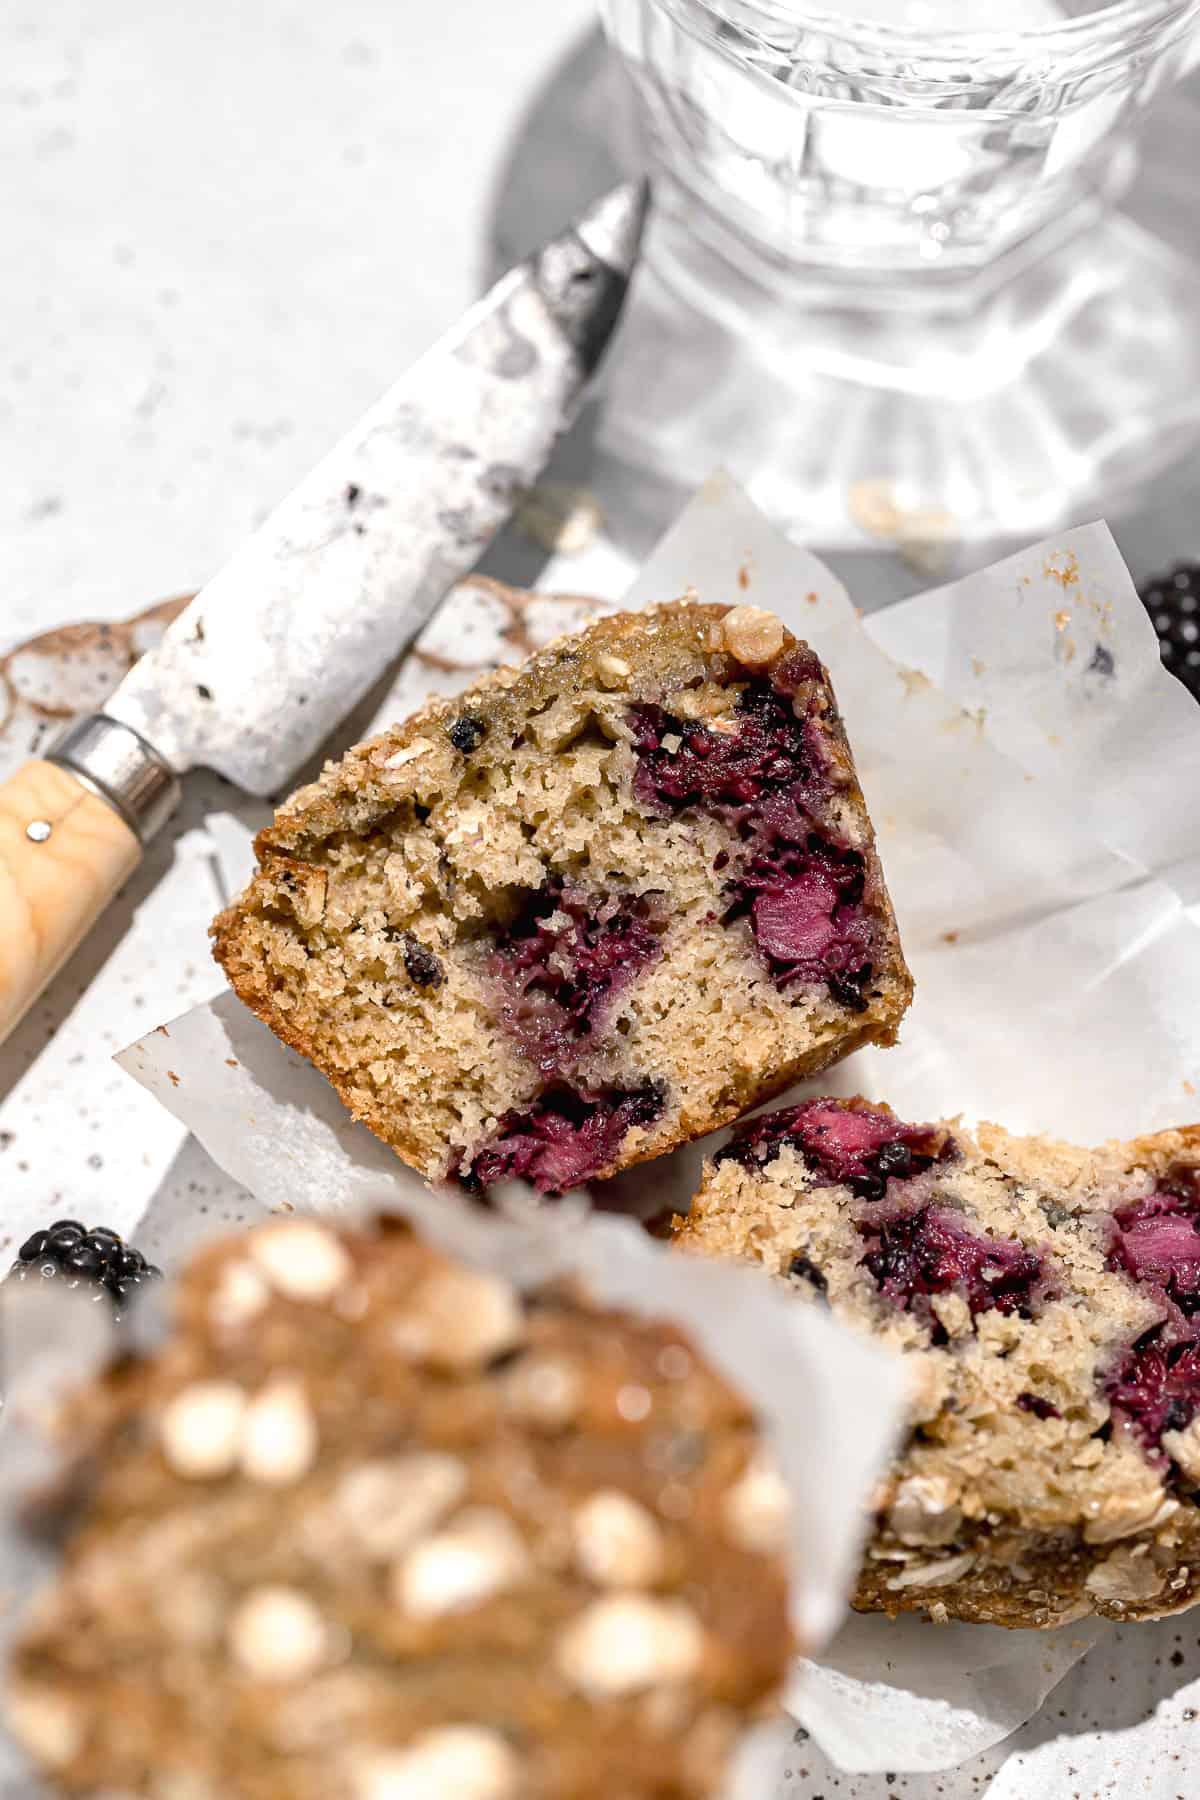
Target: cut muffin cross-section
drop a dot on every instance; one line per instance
(588, 910)
(1047, 1300)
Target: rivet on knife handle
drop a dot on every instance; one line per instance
(72, 829)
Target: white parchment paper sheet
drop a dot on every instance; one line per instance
(1041, 895)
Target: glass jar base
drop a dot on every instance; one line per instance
(999, 413)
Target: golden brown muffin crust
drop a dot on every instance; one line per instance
(366, 940)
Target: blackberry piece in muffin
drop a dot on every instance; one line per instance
(371, 1524)
(589, 910)
(1047, 1299)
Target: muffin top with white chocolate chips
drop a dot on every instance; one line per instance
(372, 1525)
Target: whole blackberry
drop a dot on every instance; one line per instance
(1173, 602)
(68, 1252)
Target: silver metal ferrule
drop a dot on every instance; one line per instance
(117, 763)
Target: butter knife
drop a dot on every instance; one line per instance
(264, 662)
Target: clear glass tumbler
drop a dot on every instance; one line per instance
(912, 200)
(895, 137)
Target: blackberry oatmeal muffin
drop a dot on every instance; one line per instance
(372, 1526)
(588, 910)
(1048, 1300)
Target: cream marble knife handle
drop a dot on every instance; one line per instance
(72, 829)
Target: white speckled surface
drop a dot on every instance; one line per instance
(226, 229)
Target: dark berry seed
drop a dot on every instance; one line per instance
(82, 1260)
(467, 732)
(847, 988)
(895, 1159)
(805, 1270)
(106, 1244)
(1041, 1409)
(869, 1187)
(65, 1233)
(422, 965)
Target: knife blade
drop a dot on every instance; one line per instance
(260, 667)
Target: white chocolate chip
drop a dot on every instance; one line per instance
(302, 1261)
(757, 1508)
(627, 1642)
(389, 1504)
(613, 668)
(936, 1574)
(543, 1390)
(672, 743)
(45, 1723)
(277, 1634)
(752, 636)
(477, 1556)
(634, 1402)
(459, 1319)
(279, 1434)
(239, 1296)
(617, 1542)
(925, 1510)
(201, 1429)
(1127, 1573)
(457, 1762)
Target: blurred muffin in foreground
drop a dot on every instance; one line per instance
(373, 1526)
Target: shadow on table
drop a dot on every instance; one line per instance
(574, 140)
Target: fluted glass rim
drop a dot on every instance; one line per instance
(1124, 24)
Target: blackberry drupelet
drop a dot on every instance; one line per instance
(67, 1251)
(1173, 602)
